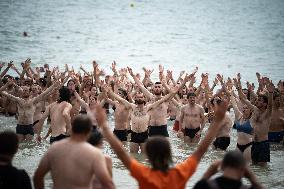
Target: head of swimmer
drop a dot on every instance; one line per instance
(234, 163)
(247, 112)
(191, 97)
(158, 88)
(26, 91)
(139, 99)
(9, 143)
(261, 102)
(158, 151)
(214, 102)
(122, 93)
(93, 99)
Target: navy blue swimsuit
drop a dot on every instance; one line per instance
(245, 128)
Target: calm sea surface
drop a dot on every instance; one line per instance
(219, 36)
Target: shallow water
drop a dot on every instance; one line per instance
(218, 36)
(29, 156)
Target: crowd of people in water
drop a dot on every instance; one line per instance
(75, 108)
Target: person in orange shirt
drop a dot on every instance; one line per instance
(163, 174)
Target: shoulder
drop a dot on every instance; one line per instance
(137, 169)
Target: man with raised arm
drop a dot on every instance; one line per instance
(162, 174)
(26, 108)
(260, 121)
(158, 115)
(72, 162)
(59, 113)
(140, 117)
(192, 117)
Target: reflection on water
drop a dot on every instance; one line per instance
(29, 155)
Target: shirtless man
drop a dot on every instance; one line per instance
(192, 117)
(121, 116)
(276, 128)
(26, 109)
(64, 160)
(222, 140)
(59, 113)
(140, 117)
(260, 121)
(158, 115)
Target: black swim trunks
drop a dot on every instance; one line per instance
(260, 151)
(222, 143)
(120, 134)
(243, 147)
(158, 130)
(35, 122)
(139, 137)
(191, 132)
(25, 129)
(57, 138)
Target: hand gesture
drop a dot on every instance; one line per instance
(113, 66)
(181, 73)
(161, 68)
(270, 87)
(95, 64)
(220, 78)
(130, 71)
(10, 64)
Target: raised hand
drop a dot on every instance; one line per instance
(220, 78)
(161, 68)
(181, 73)
(130, 71)
(113, 66)
(270, 87)
(239, 77)
(10, 64)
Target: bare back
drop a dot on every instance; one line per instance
(74, 164)
(58, 124)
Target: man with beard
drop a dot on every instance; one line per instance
(140, 117)
(260, 121)
(158, 114)
(121, 115)
(26, 108)
(59, 113)
(192, 117)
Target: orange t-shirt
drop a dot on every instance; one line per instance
(175, 178)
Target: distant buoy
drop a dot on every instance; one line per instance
(131, 5)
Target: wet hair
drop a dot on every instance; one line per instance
(124, 93)
(9, 143)
(217, 99)
(158, 151)
(190, 95)
(43, 81)
(95, 138)
(82, 124)
(64, 95)
(158, 83)
(76, 86)
(233, 159)
(264, 98)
